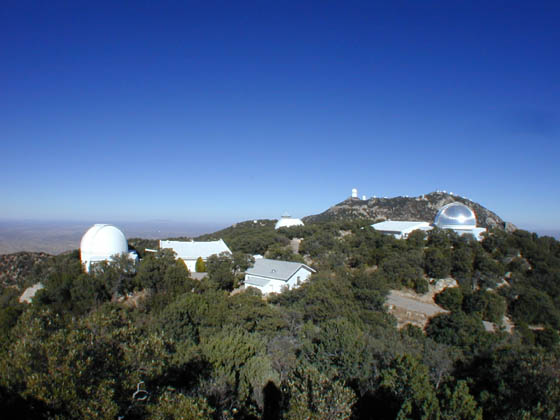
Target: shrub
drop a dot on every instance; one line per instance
(450, 299)
(421, 286)
(436, 263)
(200, 266)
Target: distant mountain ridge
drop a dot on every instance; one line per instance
(421, 208)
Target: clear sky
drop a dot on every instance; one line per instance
(209, 112)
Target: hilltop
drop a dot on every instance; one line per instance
(421, 208)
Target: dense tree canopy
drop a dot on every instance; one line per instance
(147, 341)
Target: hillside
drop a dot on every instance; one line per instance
(422, 208)
(14, 268)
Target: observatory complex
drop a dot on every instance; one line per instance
(454, 216)
(101, 243)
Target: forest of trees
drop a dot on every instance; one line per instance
(150, 342)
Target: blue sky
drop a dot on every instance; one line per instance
(214, 113)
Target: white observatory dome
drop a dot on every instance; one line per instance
(287, 221)
(100, 243)
(455, 216)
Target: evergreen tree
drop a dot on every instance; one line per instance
(200, 265)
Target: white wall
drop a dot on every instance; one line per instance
(191, 265)
(300, 276)
(278, 286)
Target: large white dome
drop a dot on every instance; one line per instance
(455, 216)
(287, 221)
(101, 242)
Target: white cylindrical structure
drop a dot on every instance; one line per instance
(354, 193)
(100, 243)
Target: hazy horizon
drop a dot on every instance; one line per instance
(54, 237)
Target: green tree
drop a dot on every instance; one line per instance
(403, 268)
(457, 329)
(313, 396)
(436, 263)
(220, 271)
(240, 365)
(450, 299)
(416, 239)
(408, 392)
(457, 403)
(534, 307)
(421, 286)
(462, 262)
(283, 253)
(200, 265)
(514, 383)
(338, 348)
(488, 304)
(153, 267)
(177, 406)
(439, 238)
(177, 279)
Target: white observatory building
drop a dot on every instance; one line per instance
(459, 218)
(190, 251)
(288, 221)
(102, 242)
(454, 216)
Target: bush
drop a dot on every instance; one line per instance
(421, 286)
(436, 263)
(200, 265)
(456, 329)
(547, 338)
(450, 299)
(489, 305)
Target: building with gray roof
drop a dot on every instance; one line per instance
(274, 276)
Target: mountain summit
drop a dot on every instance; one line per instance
(422, 208)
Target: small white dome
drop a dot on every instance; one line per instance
(287, 221)
(100, 243)
(455, 216)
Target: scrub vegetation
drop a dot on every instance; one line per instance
(150, 342)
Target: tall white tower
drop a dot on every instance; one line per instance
(354, 193)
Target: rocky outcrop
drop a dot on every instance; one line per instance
(422, 208)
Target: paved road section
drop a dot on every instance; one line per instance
(414, 311)
(412, 305)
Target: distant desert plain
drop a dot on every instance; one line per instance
(56, 237)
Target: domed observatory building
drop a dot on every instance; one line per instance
(288, 221)
(102, 242)
(459, 218)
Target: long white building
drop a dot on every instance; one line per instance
(288, 221)
(400, 230)
(190, 251)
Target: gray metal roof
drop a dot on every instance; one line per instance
(192, 250)
(274, 269)
(256, 281)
